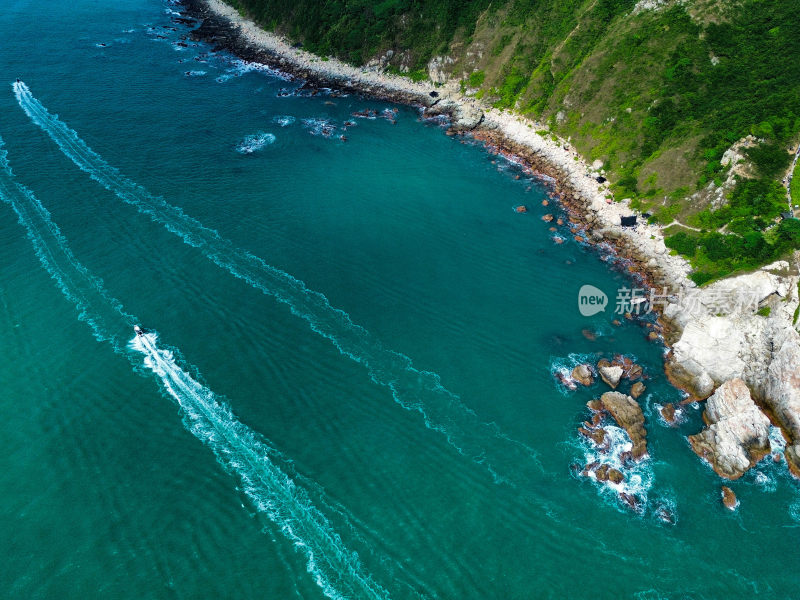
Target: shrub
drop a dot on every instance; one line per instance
(683, 243)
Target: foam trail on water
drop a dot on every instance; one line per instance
(506, 459)
(335, 569)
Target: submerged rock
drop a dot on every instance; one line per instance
(611, 375)
(630, 501)
(665, 514)
(589, 334)
(583, 375)
(628, 414)
(738, 433)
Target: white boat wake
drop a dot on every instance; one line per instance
(242, 452)
(507, 460)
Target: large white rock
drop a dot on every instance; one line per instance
(738, 433)
(611, 375)
(438, 68)
(719, 343)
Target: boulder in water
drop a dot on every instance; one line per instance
(729, 498)
(634, 372)
(583, 375)
(637, 389)
(668, 412)
(615, 476)
(628, 414)
(611, 375)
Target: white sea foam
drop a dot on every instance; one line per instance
(765, 479)
(777, 443)
(323, 127)
(413, 389)
(255, 142)
(335, 569)
(283, 120)
(237, 67)
(639, 477)
(794, 511)
(561, 368)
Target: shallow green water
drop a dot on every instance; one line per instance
(400, 407)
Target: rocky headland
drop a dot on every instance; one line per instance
(737, 436)
(737, 336)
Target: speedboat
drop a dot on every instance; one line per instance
(139, 331)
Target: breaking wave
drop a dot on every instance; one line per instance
(255, 142)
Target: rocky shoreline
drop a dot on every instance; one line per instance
(710, 343)
(587, 200)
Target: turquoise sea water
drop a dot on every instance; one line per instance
(348, 386)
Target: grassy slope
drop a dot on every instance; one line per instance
(796, 184)
(657, 96)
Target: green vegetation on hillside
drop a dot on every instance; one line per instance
(658, 96)
(356, 30)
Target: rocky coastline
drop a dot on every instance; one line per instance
(754, 344)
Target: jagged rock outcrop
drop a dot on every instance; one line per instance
(465, 116)
(738, 433)
(780, 388)
(628, 414)
(439, 69)
(721, 337)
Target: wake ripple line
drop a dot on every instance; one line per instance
(422, 391)
(241, 451)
